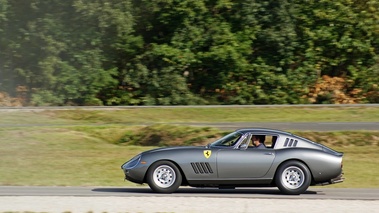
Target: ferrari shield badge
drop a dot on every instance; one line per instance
(207, 153)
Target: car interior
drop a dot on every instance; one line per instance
(269, 141)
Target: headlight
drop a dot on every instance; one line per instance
(132, 162)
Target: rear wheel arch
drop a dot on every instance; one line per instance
(293, 177)
(294, 159)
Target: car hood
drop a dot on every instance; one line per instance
(163, 149)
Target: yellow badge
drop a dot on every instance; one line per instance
(207, 153)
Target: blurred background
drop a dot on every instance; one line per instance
(188, 52)
(289, 53)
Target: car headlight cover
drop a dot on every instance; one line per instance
(132, 162)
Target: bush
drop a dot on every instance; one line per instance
(170, 135)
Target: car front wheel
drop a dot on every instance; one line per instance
(164, 177)
(293, 178)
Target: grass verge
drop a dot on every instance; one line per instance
(92, 155)
(191, 115)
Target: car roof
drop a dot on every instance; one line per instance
(264, 130)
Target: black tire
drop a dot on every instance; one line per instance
(293, 178)
(164, 177)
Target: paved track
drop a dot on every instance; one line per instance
(300, 126)
(261, 193)
(141, 199)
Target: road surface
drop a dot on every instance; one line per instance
(269, 193)
(141, 199)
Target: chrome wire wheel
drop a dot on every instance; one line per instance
(164, 176)
(293, 177)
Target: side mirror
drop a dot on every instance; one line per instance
(243, 146)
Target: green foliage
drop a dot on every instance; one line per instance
(151, 82)
(57, 48)
(368, 80)
(45, 98)
(184, 52)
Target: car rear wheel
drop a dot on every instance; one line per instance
(293, 178)
(164, 177)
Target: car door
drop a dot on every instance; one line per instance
(244, 163)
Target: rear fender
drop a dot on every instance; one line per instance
(293, 159)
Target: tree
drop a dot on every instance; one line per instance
(56, 48)
(177, 52)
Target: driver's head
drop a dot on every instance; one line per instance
(260, 138)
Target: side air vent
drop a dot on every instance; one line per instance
(290, 143)
(201, 168)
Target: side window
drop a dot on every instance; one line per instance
(269, 140)
(273, 139)
(257, 137)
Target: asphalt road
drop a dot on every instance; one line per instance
(285, 126)
(257, 193)
(300, 126)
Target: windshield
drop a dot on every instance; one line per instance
(228, 140)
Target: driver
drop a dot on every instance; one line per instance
(258, 141)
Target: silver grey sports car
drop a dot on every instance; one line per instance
(286, 161)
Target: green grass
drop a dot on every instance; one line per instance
(360, 167)
(69, 157)
(192, 115)
(295, 114)
(87, 147)
(59, 156)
